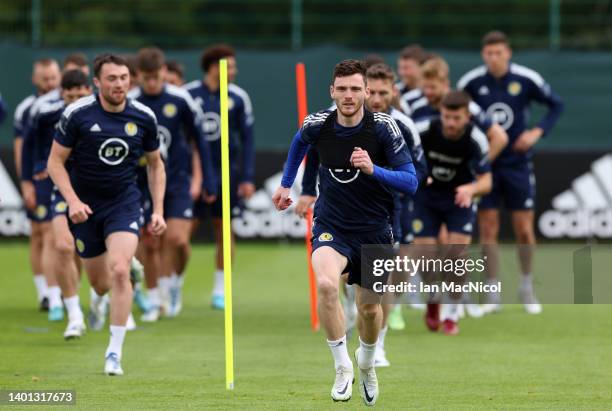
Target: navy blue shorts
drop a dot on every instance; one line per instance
(407, 216)
(513, 184)
(178, 205)
(201, 210)
(59, 207)
(108, 218)
(433, 209)
(349, 245)
(42, 212)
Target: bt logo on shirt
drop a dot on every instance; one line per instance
(113, 151)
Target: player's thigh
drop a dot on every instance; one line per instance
(488, 225)
(459, 238)
(328, 264)
(63, 240)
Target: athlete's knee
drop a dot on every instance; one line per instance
(99, 285)
(328, 288)
(525, 234)
(178, 240)
(368, 312)
(120, 270)
(64, 247)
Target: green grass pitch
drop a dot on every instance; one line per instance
(561, 359)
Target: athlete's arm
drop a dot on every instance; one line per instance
(402, 178)
(27, 165)
(77, 210)
(309, 183)
(498, 140)
(196, 174)
(246, 188)
(296, 154)
(464, 194)
(542, 94)
(156, 176)
(17, 147)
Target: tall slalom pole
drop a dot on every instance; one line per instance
(227, 229)
(302, 104)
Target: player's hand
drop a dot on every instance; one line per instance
(157, 225)
(464, 195)
(246, 190)
(303, 205)
(361, 159)
(40, 176)
(29, 194)
(527, 139)
(78, 211)
(429, 181)
(208, 198)
(281, 198)
(195, 189)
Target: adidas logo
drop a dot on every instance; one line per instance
(483, 91)
(13, 220)
(134, 225)
(585, 209)
(95, 128)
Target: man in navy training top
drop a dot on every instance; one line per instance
(59, 245)
(46, 76)
(380, 81)
(457, 157)
(242, 146)
(104, 135)
(505, 91)
(179, 123)
(355, 208)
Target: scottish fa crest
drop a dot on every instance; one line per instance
(130, 129)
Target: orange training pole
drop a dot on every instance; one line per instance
(302, 104)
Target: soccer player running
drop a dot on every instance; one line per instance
(505, 91)
(179, 123)
(104, 135)
(46, 76)
(457, 158)
(242, 146)
(355, 207)
(36, 147)
(380, 81)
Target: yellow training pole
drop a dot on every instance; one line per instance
(227, 229)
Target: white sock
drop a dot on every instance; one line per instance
(164, 284)
(340, 353)
(219, 287)
(117, 335)
(526, 281)
(179, 280)
(381, 337)
(173, 278)
(153, 294)
(365, 359)
(73, 306)
(449, 311)
(350, 294)
(55, 296)
(41, 286)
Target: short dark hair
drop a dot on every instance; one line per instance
(150, 59)
(456, 99)
(495, 37)
(413, 52)
(78, 59)
(107, 58)
(372, 59)
(214, 53)
(380, 71)
(132, 62)
(349, 67)
(176, 67)
(74, 78)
